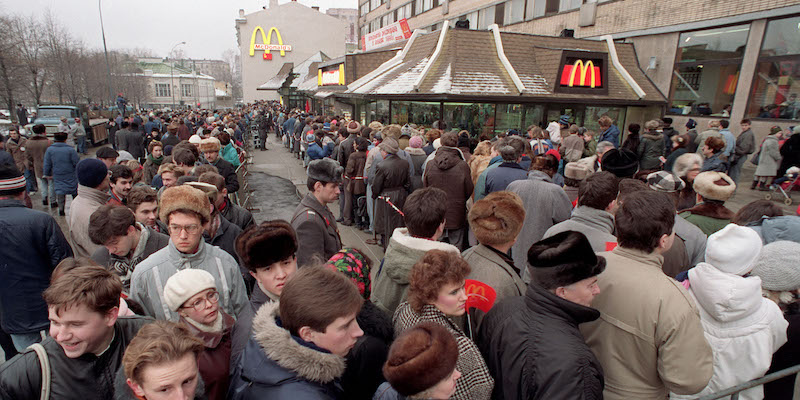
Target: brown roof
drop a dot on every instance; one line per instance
(276, 82)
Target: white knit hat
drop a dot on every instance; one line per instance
(185, 284)
(733, 249)
(777, 266)
(194, 139)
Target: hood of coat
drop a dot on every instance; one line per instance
(404, 246)
(725, 297)
(652, 136)
(446, 158)
(279, 346)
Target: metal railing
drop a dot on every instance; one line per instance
(243, 197)
(734, 391)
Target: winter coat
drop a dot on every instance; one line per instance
(229, 154)
(316, 152)
(573, 147)
(418, 157)
(709, 217)
(476, 382)
(714, 163)
(498, 178)
(693, 238)
(237, 215)
(449, 172)
(60, 163)
(150, 242)
(132, 142)
(790, 151)
(545, 204)
(391, 281)
(700, 140)
(596, 225)
(490, 268)
(87, 377)
(651, 147)
(610, 135)
(168, 140)
(387, 392)
(745, 144)
(228, 171)
(150, 276)
(214, 361)
(346, 149)
(17, 151)
(356, 182)
(87, 202)
(243, 329)
(480, 184)
(391, 182)
(150, 168)
(649, 338)
(777, 228)
(533, 346)
(183, 132)
(769, 157)
(33, 245)
(225, 239)
(742, 327)
(277, 365)
(34, 152)
(317, 232)
(364, 373)
(785, 357)
(674, 156)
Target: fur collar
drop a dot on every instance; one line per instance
(402, 237)
(652, 135)
(711, 210)
(415, 151)
(280, 347)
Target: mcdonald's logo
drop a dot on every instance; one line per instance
(266, 44)
(479, 295)
(581, 71)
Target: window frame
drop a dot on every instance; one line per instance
(159, 88)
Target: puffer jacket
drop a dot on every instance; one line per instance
(275, 365)
(60, 162)
(651, 147)
(742, 327)
(529, 342)
(448, 171)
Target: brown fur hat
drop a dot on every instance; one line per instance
(375, 125)
(393, 131)
(184, 198)
(497, 218)
(353, 127)
(714, 185)
(210, 144)
(265, 244)
(420, 358)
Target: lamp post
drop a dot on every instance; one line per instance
(172, 74)
(105, 50)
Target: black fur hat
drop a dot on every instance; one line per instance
(562, 260)
(265, 244)
(325, 170)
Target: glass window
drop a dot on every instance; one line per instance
(400, 111)
(782, 37)
(162, 90)
(374, 4)
(186, 90)
(776, 83)
(475, 118)
(569, 5)
(514, 11)
(364, 9)
(428, 4)
(713, 44)
(424, 113)
(617, 115)
(378, 111)
(485, 18)
(509, 116)
(534, 115)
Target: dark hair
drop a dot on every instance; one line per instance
(262, 245)
(642, 218)
(362, 144)
(212, 178)
(627, 186)
(134, 125)
(449, 139)
(87, 284)
(598, 190)
(39, 128)
(317, 296)
(141, 194)
(109, 222)
(754, 210)
(60, 136)
(434, 270)
(546, 163)
(125, 124)
(634, 128)
(667, 120)
(724, 123)
(715, 143)
(119, 171)
(224, 138)
(183, 156)
(745, 121)
(424, 211)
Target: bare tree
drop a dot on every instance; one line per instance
(9, 66)
(27, 32)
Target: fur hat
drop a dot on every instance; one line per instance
(195, 139)
(415, 142)
(777, 266)
(265, 244)
(577, 171)
(325, 170)
(389, 145)
(183, 198)
(563, 259)
(714, 185)
(107, 152)
(354, 264)
(666, 182)
(12, 181)
(497, 218)
(353, 127)
(393, 131)
(691, 124)
(375, 125)
(210, 144)
(733, 249)
(184, 284)
(685, 162)
(172, 127)
(420, 358)
(621, 162)
(91, 172)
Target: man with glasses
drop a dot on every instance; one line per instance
(186, 210)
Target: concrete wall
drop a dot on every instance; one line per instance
(663, 48)
(308, 31)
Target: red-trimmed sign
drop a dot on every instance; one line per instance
(387, 35)
(583, 74)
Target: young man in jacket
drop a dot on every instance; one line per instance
(93, 183)
(210, 148)
(35, 148)
(236, 215)
(86, 343)
(317, 232)
(745, 145)
(649, 338)
(528, 342)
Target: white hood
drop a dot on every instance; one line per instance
(725, 297)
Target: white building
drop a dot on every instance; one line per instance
(175, 87)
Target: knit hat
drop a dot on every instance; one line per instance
(564, 119)
(714, 185)
(210, 144)
(691, 124)
(775, 129)
(325, 170)
(311, 137)
(667, 182)
(563, 259)
(183, 198)
(777, 266)
(355, 266)
(389, 145)
(621, 162)
(733, 249)
(577, 171)
(420, 358)
(91, 172)
(12, 181)
(124, 156)
(107, 152)
(185, 284)
(497, 218)
(353, 127)
(415, 142)
(195, 139)
(406, 131)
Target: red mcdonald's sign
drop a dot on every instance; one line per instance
(479, 295)
(581, 73)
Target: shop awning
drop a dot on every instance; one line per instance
(277, 81)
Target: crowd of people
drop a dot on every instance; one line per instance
(549, 264)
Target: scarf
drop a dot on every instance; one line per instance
(123, 265)
(156, 161)
(216, 327)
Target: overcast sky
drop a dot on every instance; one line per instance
(207, 26)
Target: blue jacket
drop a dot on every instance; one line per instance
(60, 162)
(288, 126)
(714, 163)
(33, 245)
(773, 229)
(730, 142)
(315, 152)
(498, 178)
(610, 135)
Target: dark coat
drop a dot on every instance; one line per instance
(33, 245)
(214, 361)
(237, 215)
(60, 162)
(151, 169)
(497, 179)
(225, 237)
(418, 157)
(356, 184)
(132, 142)
(651, 147)
(87, 377)
(317, 232)
(243, 329)
(346, 149)
(447, 171)
(365, 361)
(227, 170)
(785, 357)
(391, 181)
(534, 349)
(170, 140)
(155, 242)
(790, 151)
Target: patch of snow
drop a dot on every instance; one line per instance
(404, 82)
(445, 82)
(479, 82)
(535, 84)
(370, 86)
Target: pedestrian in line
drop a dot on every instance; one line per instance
(79, 132)
(390, 189)
(651, 147)
(713, 153)
(608, 131)
(143, 201)
(237, 215)
(317, 231)
(60, 164)
(211, 150)
(769, 158)
(107, 155)
(120, 183)
(219, 232)
(713, 190)
(745, 145)
(35, 149)
(93, 184)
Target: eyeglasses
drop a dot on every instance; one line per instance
(190, 229)
(198, 305)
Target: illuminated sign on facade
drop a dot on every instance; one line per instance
(266, 44)
(331, 77)
(583, 72)
(580, 74)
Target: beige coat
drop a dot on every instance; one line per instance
(488, 267)
(649, 338)
(82, 207)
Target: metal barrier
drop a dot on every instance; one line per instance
(243, 197)
(733, 392)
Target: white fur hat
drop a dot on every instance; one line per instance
(714, 185)
(185, 284)
(733, 249)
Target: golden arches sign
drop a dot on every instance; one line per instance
(266, 40)
(585, 69)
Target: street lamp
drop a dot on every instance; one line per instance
(105, 50)
(172, 74)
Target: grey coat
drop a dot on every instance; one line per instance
(317, 232)
(769, 157)
(488, 267)
(596, 225)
